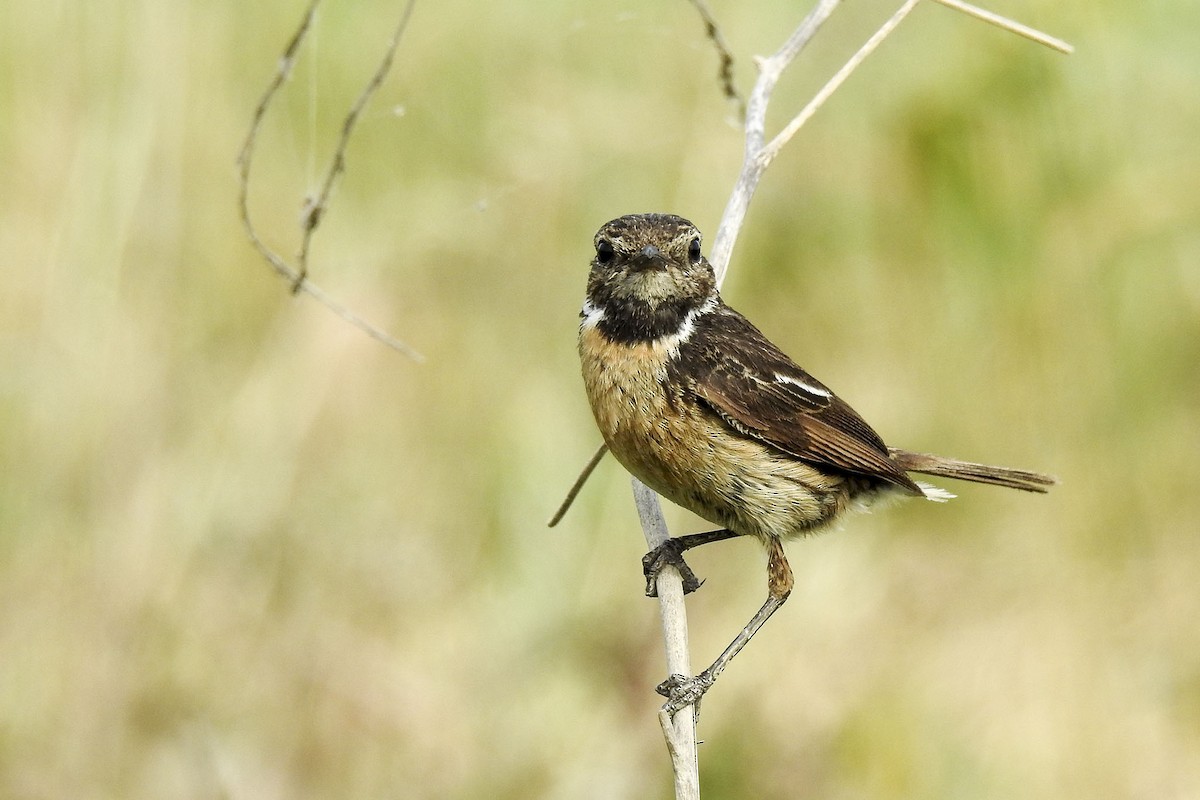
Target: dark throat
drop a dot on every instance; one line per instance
(630, 320)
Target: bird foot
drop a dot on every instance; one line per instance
(682, 691)
(669, 552)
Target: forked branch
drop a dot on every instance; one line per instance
(315, 207)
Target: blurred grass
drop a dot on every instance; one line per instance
(247, 552)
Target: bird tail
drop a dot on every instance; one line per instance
(943, 467)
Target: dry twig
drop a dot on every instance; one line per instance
(315, 207)
(575, 487)
(1007, 24)
(725, 70)
(680, 731)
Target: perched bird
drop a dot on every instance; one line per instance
(701, 407)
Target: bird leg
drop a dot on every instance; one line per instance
(682, 691)
(671, 552)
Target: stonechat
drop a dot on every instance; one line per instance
(701, 407)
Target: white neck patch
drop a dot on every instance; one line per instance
(688, 327)
(592, 315)
(672, 341)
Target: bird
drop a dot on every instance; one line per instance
(700, 406)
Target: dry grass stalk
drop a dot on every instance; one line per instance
(315, 207)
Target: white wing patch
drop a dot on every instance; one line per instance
(808, 387)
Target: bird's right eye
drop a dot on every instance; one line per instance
(605, 252)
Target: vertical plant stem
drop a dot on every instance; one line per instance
(680, 731)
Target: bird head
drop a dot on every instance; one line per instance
(649, 264)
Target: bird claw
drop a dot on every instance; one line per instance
(669, 552)
(682, 691)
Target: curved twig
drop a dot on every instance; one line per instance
(314, 208)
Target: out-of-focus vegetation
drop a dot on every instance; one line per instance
(247, 552)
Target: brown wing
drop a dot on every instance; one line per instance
(757, 389)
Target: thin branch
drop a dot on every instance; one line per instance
(284, 69)
(582, 479)
(770, 69)
(1010, 25)
(297, 277)
(679, 732)
(314, 209)
(768, 153)
(771, 150)
(725, 71)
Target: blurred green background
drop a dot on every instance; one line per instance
(248, 552)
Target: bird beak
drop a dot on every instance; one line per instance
(649, 258)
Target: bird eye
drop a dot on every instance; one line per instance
(694, 250)
(604, 252)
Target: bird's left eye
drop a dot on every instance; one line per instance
(694, 250)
